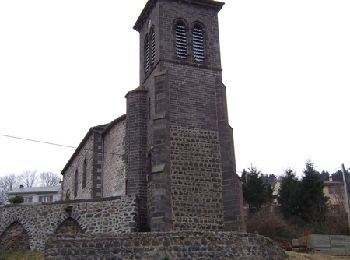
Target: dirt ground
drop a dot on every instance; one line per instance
(302, 256)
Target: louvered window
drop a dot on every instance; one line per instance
(198, 43)
(181, 40)
(147, 54)
(153, 46)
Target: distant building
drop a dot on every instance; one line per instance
(334, 190)
(37, 194)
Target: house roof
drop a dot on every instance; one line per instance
(150, 4)
(113, 123)
(100, 129)
(53, 189)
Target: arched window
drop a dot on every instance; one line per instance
(76, 175)
(198, 43)
(153, 46)
(147, 54)
(83, 182)
(181, 40)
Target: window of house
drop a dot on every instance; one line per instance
(76, 175)
(28, 199)
(181, 40)
(83, 183)
(46, 198)
(147, 54)
(198, 43)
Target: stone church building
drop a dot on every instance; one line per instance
(167, 166)
(173, 149)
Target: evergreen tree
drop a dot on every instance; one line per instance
(255, 191)
(289, 194)
(324, 176)
(313, 202)
(337, 176)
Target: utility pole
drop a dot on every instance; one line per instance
(346, 191)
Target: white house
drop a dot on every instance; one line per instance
(37, 194)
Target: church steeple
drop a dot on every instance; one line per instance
(187, 145)
(184, 31)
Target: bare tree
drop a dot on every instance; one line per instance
(6, 184)
(48, 179)
(28, 178)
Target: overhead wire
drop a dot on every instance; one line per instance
(53, 144)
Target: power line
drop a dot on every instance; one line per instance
(37, 141)
(53, 144)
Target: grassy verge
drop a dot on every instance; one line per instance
(20, 255)
(302, 256)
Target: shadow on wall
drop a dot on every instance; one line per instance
(15, 237)
(69, 227)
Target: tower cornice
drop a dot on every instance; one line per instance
(151, 3)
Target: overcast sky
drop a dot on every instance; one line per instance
(66, 66)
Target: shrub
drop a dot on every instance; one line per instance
(16, 200)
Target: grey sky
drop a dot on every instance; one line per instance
(66, 66)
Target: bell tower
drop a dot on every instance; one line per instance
(190, 180)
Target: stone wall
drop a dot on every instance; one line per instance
(14, 237)
(196, 179)
(76, 164)
(113, 173)
(192, 182)
(161, 246)
(136, 149)
(113, 215)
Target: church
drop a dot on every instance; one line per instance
(173, 149)
(160, 181)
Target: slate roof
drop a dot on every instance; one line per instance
(100, 129)
(53, 189)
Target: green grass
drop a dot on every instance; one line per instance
(21, 255)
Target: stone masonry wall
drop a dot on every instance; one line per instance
(14, 237)
(114, 164)
(169, 12)
(136, 149)
(68, 185)
(196, 179)
(160, 246)
(114, 215)
(196, 167)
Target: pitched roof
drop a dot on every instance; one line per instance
(52, 189)
(100, 129)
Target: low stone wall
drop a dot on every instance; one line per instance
(162, 246)
(112, 215)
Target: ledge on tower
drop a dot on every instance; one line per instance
(150, 4)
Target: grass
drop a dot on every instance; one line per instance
(302, 256)
(21, 255)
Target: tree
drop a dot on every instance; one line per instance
(6, 184)
(337, 176)
(28, 178)
(269, 178)
(289, 194)
(255, 191)
(48, 179)
(324, 176)
(313, 201)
